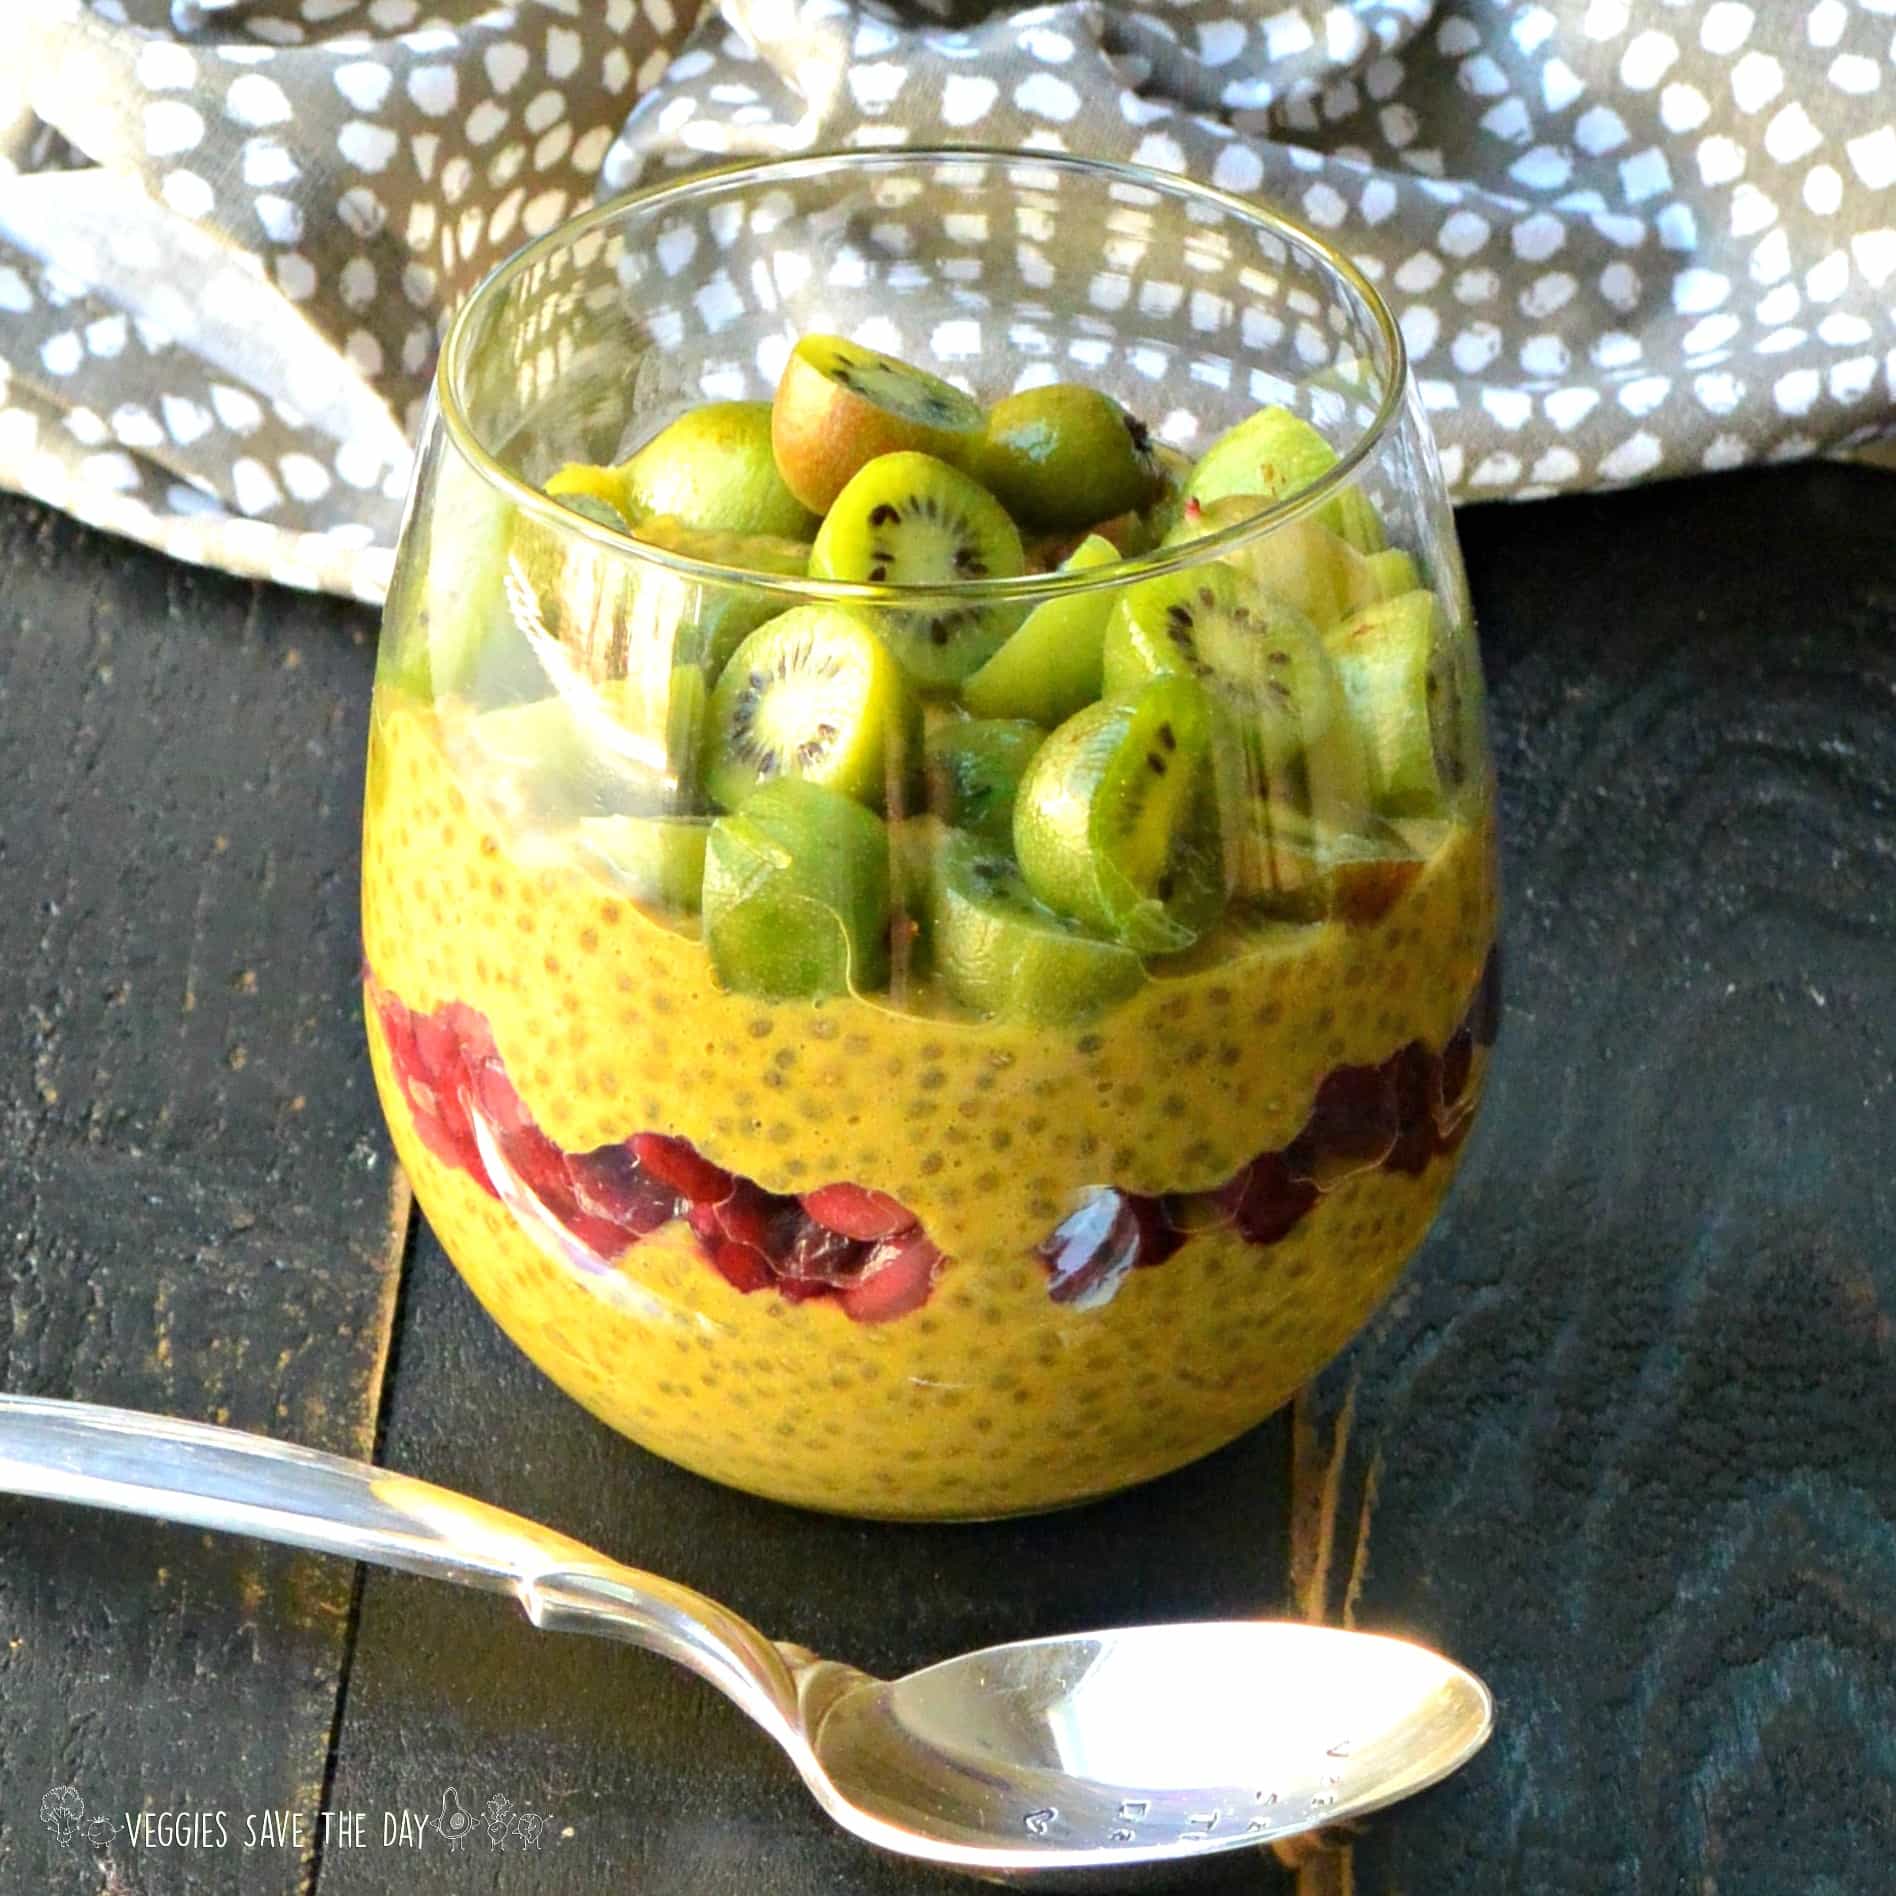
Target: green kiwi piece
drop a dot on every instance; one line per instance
(657, 860)
(812, 694)
(796, 894)
(973, 769)
(1302, 562)
(998, 950)
(840, 406)
(1275, 453)
(1388, 658)
(714, 620)
(911, 520)
(1064, 455)
(1161, 515)
(1259, 654)
(1115, 822)
(712, 469)
(1383, 575)
(601, 513)
(1051, 665)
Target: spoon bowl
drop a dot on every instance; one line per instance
(1144, 1748)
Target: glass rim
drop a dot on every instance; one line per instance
(1026, 588)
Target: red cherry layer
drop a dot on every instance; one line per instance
(863, 1248)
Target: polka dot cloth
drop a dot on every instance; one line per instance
(1624, 238)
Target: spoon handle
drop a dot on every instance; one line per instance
(225, 1479)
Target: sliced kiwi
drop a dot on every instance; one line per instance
(714, 619)
(796, 893)
(1000, 951)
(657, 860)
(1302, 562)
(1051, 666)
(1388, 659)
(1275, 453)
(840, 406)
(1383, 575)
(1115, 822)
(713, 468)
(1258, 653)
(911, 520)
(1064, 455)
(812, 694)
(973, 768)
(1161, 514)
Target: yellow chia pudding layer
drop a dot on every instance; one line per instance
(893, 1262)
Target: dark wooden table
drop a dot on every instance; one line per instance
(1625, 1441)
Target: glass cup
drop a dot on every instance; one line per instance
(999, 1121)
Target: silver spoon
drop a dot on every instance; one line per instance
(1147, 1745)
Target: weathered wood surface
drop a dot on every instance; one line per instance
(1626, 1440)
(195, 1203)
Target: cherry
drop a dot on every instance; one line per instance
(1092, 1250)
(679, 1164)
(822, 1256)
(1416, 1076)
(750, 1215)
(1159, 1237)
(703, 1219)
(1267, 1198)
(742, 1267)
(896, 1278)
(858, 1212)
(601, 1237)
(610, 1183)
(1352, 1125)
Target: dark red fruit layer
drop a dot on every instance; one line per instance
(1396, 1116)
(857, 1246)
(860, 1246)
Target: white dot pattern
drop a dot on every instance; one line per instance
(1623, 238)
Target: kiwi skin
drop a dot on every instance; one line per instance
(796, 894)
(712, 469)
(822, 433)
(1065, 455)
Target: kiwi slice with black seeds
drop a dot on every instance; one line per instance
(1302, 561)
(1000, 951)
(1050, 667)
(1115, 822)
(796, 894)
(1064, 455)
(1258, 653)
(813, 694)
(840, 406)
(911, 520)
(973, 768)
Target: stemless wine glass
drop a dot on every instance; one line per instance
(931, 1138)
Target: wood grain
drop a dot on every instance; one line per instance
(196, 1211)
(1626, 1439)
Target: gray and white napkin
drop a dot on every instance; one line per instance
(1625, 238)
